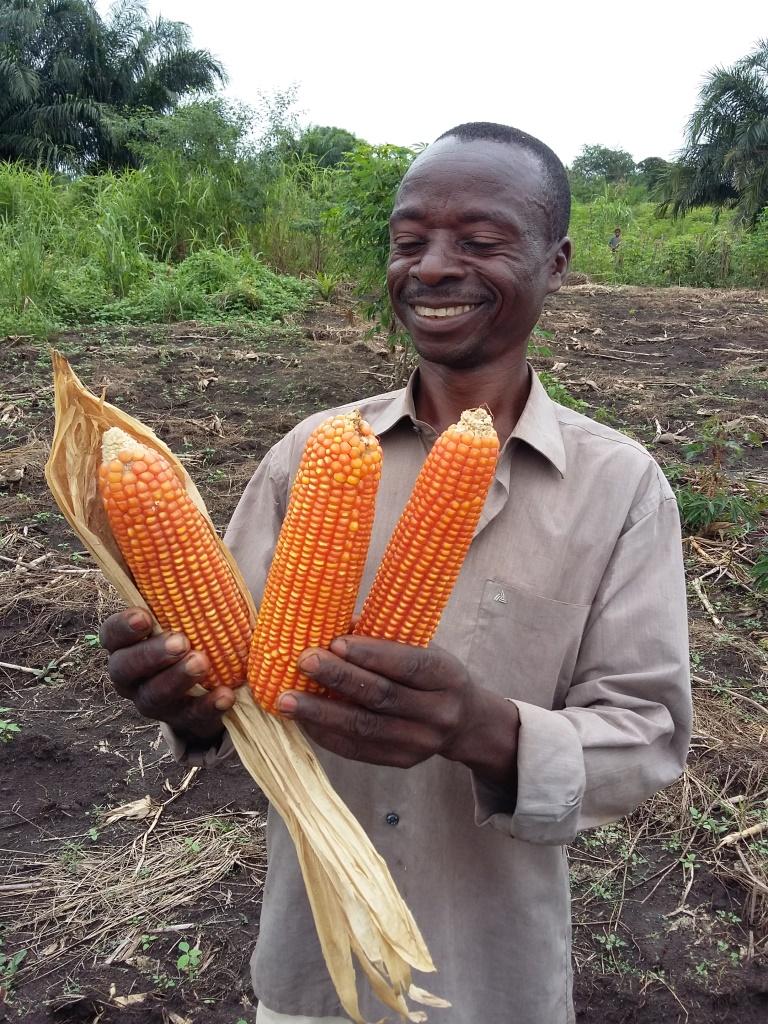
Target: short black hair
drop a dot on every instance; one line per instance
(556, 185)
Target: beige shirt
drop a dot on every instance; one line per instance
(572, 603)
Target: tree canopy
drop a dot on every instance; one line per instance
(724, 162)
(68, 77)
(326, 144)
(600, 162)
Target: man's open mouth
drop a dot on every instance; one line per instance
(441, 311)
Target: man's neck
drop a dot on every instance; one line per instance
(443, 393)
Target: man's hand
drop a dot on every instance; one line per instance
(401, 705)
(157, 672)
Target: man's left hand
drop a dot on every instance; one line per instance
(401, 705)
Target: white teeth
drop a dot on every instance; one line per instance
(442, 310)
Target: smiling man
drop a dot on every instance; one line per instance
(556, 695)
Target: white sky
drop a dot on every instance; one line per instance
(403, 71)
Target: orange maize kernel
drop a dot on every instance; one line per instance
(174, 555)
(312, 586)
(430, 542)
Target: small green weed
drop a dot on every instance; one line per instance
(705, 821)
(724, 512)
(559, 393)
(190, 959)
(8, 729)
(326, 285)
(9, 966)
(71, 854)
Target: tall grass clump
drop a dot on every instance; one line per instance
(162, 243)
(297, 233)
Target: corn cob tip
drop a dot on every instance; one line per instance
(115, 440)
(478, 422)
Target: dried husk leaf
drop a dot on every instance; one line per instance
(357, 909)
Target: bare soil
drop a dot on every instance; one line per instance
(669, 924)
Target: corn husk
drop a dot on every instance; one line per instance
(358, 911)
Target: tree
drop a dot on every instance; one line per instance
(68, 78)
(651, 170)
(724, 162)
(327, 145)
(600, 162)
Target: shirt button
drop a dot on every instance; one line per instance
(392, 818)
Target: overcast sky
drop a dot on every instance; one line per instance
(403, 71)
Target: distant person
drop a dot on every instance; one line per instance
(615, 241)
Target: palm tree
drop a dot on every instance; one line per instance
(725, 159)
(68, 77)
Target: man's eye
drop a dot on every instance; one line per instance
(480, 245)
(408, 244)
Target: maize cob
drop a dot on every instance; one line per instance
(312, 586)
(173, 554)
(423, 558)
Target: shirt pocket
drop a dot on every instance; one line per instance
(524, 645)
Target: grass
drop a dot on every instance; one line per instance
(144, 247)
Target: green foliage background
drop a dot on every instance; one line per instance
(230, 215)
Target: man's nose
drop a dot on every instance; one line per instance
(438, 261)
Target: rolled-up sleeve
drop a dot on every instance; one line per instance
(625, 729)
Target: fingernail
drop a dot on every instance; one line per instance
(137, 621)
(176, 644)
(194, 665)
(287, 704)
(223, 704)
(310, 664)
(339, 647)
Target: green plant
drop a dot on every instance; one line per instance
(71, 854)
(368, 181)
(759, 571)
(8, 729)
(326, 285)
(190, 959)
(715, 443)
(163, 980)
(728, 513)
(559, 393)
(704, 820)
(9, 966)
(611, 941)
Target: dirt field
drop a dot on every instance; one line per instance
(129, 888)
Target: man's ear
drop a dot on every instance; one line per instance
(560, 260)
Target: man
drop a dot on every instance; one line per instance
(615, 241)
(556, 696)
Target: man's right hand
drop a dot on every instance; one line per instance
(157, 672)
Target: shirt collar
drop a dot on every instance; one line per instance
(538, 425)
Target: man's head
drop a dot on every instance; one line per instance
(477, 242)
(617, 231)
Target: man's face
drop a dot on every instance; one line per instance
(471, 257)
